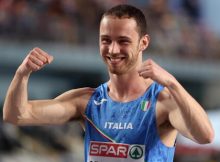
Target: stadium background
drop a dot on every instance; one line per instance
(185, 38)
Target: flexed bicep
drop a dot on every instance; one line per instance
(42, 112)
(67, 106)
(186, 115)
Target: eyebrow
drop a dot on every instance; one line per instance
(105, 36)
(120, 37)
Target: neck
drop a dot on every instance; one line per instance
(127, 87)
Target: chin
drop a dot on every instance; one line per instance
(117, 71)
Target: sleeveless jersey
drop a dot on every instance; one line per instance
(124, 131)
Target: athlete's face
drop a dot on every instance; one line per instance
(119, 44)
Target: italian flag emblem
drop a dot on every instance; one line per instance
(145, 105)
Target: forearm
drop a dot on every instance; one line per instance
(16, 100)
(194, 117)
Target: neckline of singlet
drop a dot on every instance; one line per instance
(128, 102)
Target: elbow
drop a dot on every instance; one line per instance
(7, 120)
(5, 117)
(10, 120)
(208, 137)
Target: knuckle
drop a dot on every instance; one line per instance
(35, 68)
(150, 61)
(151, 72)
(36, 49)
(29, 57)
(44, 59)
(32, 53)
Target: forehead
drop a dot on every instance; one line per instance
(113, 26)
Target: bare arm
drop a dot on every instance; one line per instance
(184, 113)
(19, 110)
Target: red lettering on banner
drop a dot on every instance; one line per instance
(109, 149)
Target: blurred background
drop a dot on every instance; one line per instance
(185, 38)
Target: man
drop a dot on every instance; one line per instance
(134, 117)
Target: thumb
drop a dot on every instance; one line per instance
(50, 59)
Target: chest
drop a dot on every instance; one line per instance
(125, 123)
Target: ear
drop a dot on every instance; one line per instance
(144, 42)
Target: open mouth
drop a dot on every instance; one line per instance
(115, 60)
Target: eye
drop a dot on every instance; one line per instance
(105, 41)
(124, 41)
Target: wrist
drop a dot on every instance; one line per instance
(21, 73)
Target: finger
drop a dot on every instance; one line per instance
(49, 57)
(32, 66)
(146, 74)
(35, 60)
(149, 61)
(39, 56)
(40, 51)
(144, 68)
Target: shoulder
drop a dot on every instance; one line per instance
(164, 95)
(75, 94)
(77, 98)
(82, 96)
(85, 92)
(166, 100)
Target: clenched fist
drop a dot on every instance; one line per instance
(34, 61)
(149, 69)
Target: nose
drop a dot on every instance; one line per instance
(114, 48)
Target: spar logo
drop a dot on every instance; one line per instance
(107, 149)
(136, 152)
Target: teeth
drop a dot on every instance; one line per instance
(115, 59)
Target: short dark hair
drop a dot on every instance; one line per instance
(128, 11)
